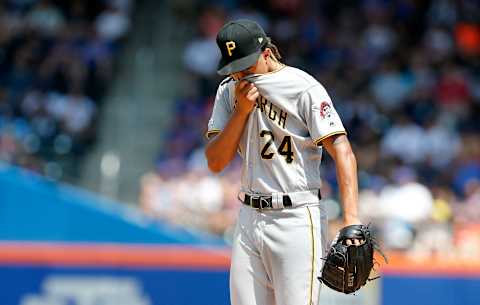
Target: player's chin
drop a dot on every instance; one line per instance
(237, 76)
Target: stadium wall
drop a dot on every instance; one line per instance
(430, 281)
(60, 245)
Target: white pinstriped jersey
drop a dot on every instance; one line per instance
(281, 143)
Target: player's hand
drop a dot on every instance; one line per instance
(246, 94)
(353, 221)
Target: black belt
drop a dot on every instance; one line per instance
(265, 202)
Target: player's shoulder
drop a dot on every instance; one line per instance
(225, 86)
(226, 83)
(300, 77)
(225, 89)
(307, 83)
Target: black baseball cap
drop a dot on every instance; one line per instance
(241, 42)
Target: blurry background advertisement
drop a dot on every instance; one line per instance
(105, 197)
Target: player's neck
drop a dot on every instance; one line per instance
(277, 66)
(273, 65)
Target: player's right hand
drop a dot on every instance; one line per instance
(246, 94)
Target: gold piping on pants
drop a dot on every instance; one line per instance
(312, 236)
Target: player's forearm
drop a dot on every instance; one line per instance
(339, 148)
(346, 165)
(221, 150)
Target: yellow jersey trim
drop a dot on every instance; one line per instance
(319, 140)
(312, 238)
(210, 133)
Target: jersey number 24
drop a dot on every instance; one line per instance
(285, 148)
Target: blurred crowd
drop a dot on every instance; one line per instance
(404, 76)
(56, 60)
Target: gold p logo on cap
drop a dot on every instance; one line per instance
(230, 47)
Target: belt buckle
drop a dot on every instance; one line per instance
(264, 200)
(256, 198)
(261, 200)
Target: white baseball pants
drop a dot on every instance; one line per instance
(276, 256)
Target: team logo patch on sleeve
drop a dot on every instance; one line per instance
(325, 110)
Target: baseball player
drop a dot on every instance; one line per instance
(277, 118)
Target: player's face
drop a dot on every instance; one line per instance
(242, 74)
(260, 67)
